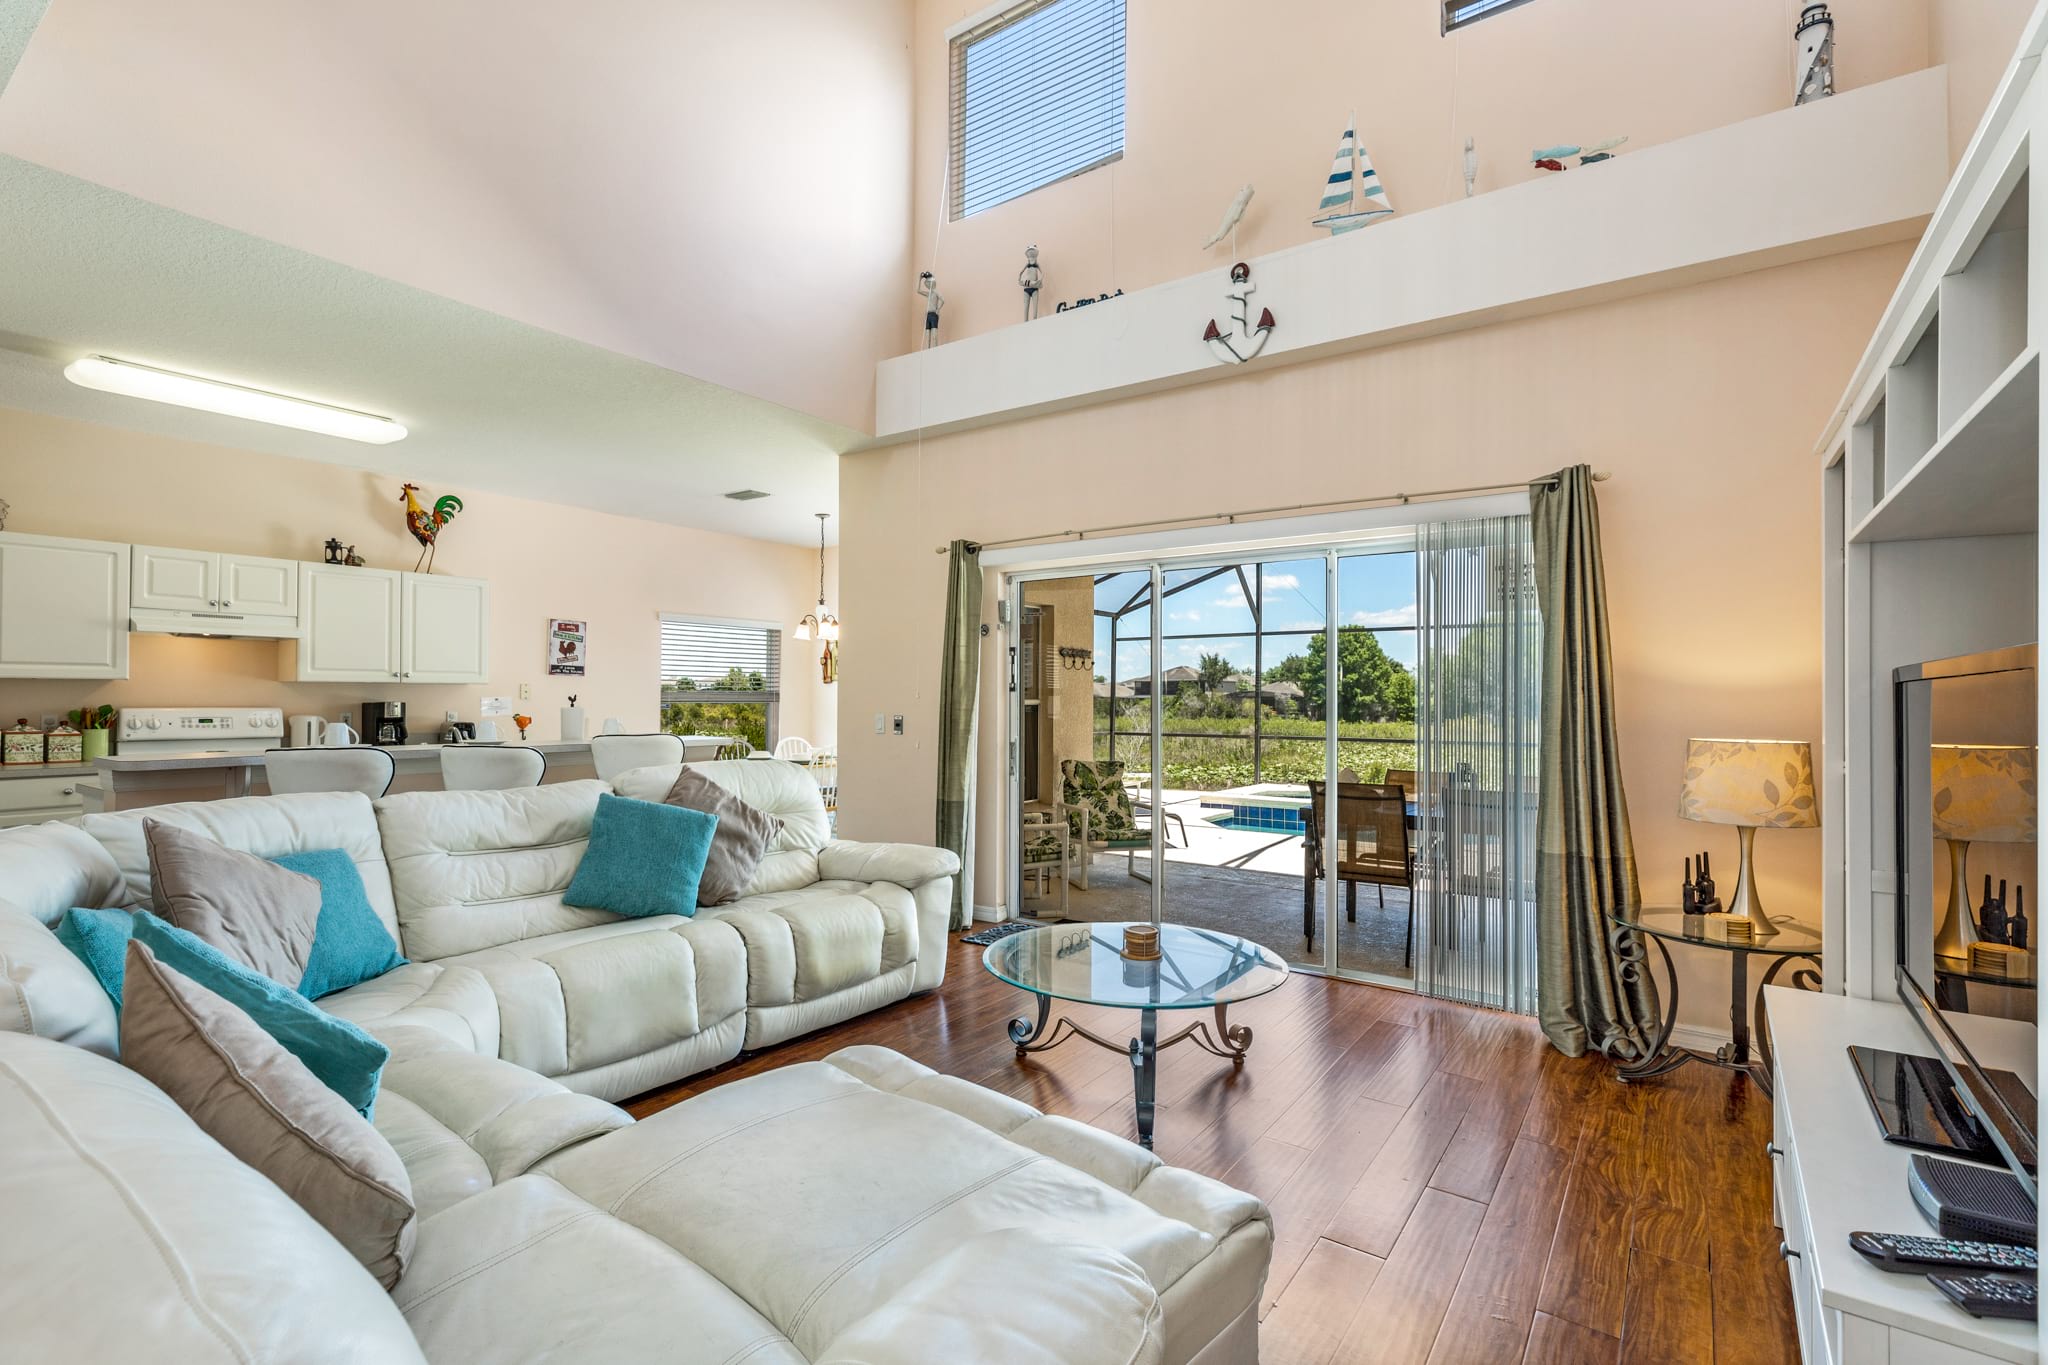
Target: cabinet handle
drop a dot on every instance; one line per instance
(68, 791)
(225, 603)
(1786, 1253)
(1772, 1149)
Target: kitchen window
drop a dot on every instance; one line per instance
(1037, 96)
(721, 678)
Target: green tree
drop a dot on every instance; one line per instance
(1372, 686)
(1212, 672)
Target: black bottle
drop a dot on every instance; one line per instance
(1689, 896)
(2018, 923)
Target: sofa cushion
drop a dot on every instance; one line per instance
(255, 911)
(589, 997)
(108, 1184)
(786, 791)
(262, 1104)
(99, 939)
(50, 868)
(46, 990)
(642, 859)
(737, 845)
(263, 825)
(455, 1003)
(347, 1059)
(471, 870)
(350, 944)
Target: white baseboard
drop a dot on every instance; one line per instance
(990, 914)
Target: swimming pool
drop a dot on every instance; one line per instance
(1264, 819)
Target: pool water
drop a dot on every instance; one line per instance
(1264, 819)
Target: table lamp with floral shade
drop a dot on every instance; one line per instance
(1752, 784)
(1979, 793)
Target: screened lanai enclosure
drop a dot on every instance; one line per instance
(1301, 796)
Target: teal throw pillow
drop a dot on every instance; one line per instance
(349, 1060)
(350, 944)
(99, 939)
(645, 858)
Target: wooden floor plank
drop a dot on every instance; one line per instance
(1553, 1341)
(1443, 1184)
(1326, 1296)
(1397, 1325)
(1495, 1304)
(1669, 1319)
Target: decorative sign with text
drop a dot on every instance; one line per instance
(568, 647)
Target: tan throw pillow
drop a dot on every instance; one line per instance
(737, 845)
(256, 912)
(261, 1103)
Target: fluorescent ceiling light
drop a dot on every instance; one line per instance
(211, 395)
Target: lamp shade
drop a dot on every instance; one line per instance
(1983, 792)
(1757, 783)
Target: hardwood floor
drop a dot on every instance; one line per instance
(1446, 1188)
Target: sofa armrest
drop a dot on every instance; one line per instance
(510, 1117)
(1106, 1311)
(906, 865)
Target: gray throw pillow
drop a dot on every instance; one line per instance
(261, 915)
(737, 846)
(263, 1104)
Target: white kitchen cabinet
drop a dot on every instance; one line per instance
(447, 633)
(168, 579)
(63, 607)
(349, 624)
(32, 800)
(378, 625)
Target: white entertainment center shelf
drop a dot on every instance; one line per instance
(1979, 478)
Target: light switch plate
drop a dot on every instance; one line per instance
(496, 706)
(881, 723)
(526, 691)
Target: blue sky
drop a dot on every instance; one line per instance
(1372, 590)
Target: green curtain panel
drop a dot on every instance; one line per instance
(959, 703)
(1585, 857)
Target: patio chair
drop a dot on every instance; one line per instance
(1139, 785)
(1046, 851)
(1098, 812)
(1372, 848)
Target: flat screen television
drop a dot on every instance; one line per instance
(1968, 914)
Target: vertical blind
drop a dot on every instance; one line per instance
(1038, 95)
(1458, 13)
(719, 661)
(1478, 708)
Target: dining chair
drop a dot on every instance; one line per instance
(615, 754)
(795, 748)
(491, 767)
(1372, 849)
(317, 768)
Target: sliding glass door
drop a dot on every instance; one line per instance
(1185, 736)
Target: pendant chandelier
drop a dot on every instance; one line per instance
(822, 624)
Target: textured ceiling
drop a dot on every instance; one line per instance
(490, 402)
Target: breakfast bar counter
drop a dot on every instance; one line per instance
(121, 783)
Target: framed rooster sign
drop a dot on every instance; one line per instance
(568, 647)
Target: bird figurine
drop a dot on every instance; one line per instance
(1231, 216)
(426, 526)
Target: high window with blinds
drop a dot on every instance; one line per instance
(1038, 95)
(1458, 13)
(720, 678)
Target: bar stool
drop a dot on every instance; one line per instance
(615, 754)
(357, 768)
(491, 767)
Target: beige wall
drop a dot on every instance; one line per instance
(1705, 403)
(1218, 94)
(1070, 693)
(1974, 39)
(71, 478)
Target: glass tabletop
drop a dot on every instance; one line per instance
(1671, 923)
(1196, 968)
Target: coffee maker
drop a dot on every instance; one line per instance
(384, 722)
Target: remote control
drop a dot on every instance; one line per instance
(1988, 1296)
(1905, 1254)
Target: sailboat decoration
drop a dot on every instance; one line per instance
(1354, 195)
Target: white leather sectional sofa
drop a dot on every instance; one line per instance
(859, 1211)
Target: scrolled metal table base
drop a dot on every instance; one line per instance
(1231, 1041)
(1661, 1055)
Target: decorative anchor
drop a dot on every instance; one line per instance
(1253, 338)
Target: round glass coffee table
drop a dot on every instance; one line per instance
(1196, 969)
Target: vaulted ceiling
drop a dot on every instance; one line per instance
(696, 210)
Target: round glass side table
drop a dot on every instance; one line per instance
(1631, 936)
(1196, 969)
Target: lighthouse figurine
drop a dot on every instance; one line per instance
(1813, 55)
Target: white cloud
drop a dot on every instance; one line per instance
(1273, 585)
(1393, 616)
(1183, 616)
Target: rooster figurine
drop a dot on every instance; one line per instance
(426, 526)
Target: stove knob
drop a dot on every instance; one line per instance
(154, 723)
(134, 722)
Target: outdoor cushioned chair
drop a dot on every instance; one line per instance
(1049, 849)
(1372, 847)
(1098, 812)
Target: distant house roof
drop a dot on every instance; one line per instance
(1283, 688)
(1180, 674)
(1122, 689)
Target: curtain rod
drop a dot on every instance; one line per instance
(1265, 513)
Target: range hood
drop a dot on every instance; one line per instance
(215, 624)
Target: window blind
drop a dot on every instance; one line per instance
(1038, 95)
(719, 661)
(1458, 13)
